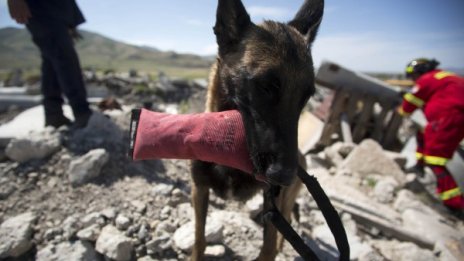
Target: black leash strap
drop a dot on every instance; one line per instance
(328, 211)
(289, 233)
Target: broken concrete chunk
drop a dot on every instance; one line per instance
(87, 167)
(16, 235)
(37, 145)
(113, 244)
(369, 158)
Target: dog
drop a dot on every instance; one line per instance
(266, 72)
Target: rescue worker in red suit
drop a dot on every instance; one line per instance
(440, 94)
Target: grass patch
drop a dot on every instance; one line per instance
(371, 182)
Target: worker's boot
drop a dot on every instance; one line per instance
(81, 120)
(448, 190)
(417, 169)
(57, 120)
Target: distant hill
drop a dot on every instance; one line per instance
(98, 51)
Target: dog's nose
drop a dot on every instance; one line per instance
(276, 174)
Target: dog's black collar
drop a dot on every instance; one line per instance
(330, 214)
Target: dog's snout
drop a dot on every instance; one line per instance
(277, 174)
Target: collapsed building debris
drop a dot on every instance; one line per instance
(144, 207)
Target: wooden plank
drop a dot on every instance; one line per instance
(345, 128)
(332, 124)
(390, 229)
(352, 108)
(392, 130)
(379, 128)
(362, 123)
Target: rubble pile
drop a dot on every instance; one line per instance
(76, 195)
(134, 85)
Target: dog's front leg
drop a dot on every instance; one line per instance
(200, 197)
(269, 249)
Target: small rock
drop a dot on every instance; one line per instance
(143, 234)
(109, 213)
(37, 145)
(403, 251)
(132, 230)
(91, 219)
(87, 167)
(140, 206)
(51, 233)
(184, 237)
(159, 244)
(140, 250)
(162, 189)
(70, 226)
(52, 182)
(67, 251)
(384, 190)
(178, 197)
(6, 190)
(16, 235)
(255, 205)
(166, 226)
(165, 212)
(184, 213)
(122, 222)
(215, 251)
(114, 245)
(89, 233)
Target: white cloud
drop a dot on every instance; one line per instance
(268, 12)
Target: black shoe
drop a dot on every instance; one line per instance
(416, 169)
(81, 120)
(457, 213)
(57, 120)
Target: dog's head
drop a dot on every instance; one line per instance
(266, 71)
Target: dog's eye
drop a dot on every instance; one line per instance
(271, 89)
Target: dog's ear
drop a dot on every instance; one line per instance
(308, 18)
(232, 20)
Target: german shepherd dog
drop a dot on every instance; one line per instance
(266, 72)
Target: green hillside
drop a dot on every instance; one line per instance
(100, 52)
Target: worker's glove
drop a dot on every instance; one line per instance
(75, 35)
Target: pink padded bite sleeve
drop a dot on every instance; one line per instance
(217, 137)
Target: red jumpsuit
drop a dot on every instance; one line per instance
(440, 95)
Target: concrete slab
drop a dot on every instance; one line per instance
(31, 119)
(335, 76)
(13, 90)
(309, 131)
(19, 100)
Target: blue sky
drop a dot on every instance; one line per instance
(367, 35)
